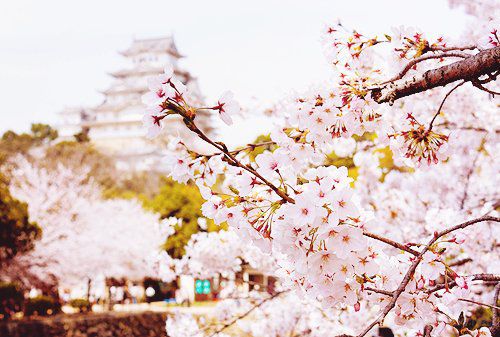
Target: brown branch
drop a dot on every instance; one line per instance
(428, 330)
(460, 262)
(478, 85)
(469, 69)
(464, 225)
(391, 243)
(479, 303)
(446, 49)
(477, 277)
(250, 147)
(379, 291)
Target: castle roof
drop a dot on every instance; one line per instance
(159, 45)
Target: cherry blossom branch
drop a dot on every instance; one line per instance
(284, 196)
(469, 69)
(220, 146)
(246, 313)
(409, 274)
(442, 103)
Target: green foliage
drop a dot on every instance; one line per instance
(43, 132)
(139, 185)
(12, 143)
(17, 233)
(481, 316)
(11, 299)
(81, 304)
(183, 202)
(258, 150)
(41, 306)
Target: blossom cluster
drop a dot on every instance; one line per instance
(367, 235)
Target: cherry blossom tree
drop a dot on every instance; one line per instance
(83, 236)
(412, 244)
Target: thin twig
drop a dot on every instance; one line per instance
(442, 103)
(246, 313)
(417, 60)
(479, 303)
(446, 49)
(460, 262)
(391, 243)
(467, 178)
(477, 277)
(478, 85)
(428, 330)
(379, 291)
(250, 147)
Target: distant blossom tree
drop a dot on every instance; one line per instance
(413, 246)
(83, 236)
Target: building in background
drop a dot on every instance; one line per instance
(115, 126)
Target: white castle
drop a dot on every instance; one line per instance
(115, 126)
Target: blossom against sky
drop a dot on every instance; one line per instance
(56, 53)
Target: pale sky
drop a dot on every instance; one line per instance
(57, 53)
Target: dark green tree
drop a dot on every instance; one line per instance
(17, 233)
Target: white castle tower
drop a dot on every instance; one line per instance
(115, 126)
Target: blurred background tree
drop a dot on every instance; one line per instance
(75, 155)
(12, 143)
(182, 201)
